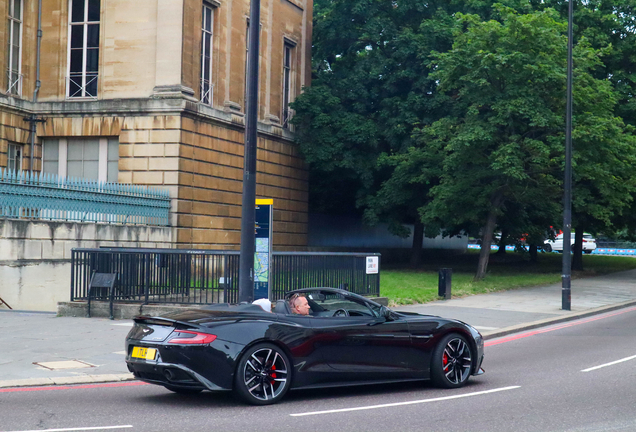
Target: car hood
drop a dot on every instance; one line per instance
(414, 316)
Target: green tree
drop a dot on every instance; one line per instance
(603, 183)
(371, 88)
(503, 143)
(607, 23)
(471, 138)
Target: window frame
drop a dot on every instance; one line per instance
(16, 84)
(289, 47)
(207, 96)
(107, 156)
(84, 94)
(18, 152)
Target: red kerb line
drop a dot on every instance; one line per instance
(555, 327)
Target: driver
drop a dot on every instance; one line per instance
(299, 305)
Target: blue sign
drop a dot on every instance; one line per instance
(263, 246)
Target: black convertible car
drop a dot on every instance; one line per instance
(346, 340)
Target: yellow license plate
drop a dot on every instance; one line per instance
(144, 353)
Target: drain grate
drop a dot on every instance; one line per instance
(67, 364)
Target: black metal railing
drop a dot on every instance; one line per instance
(205, 277)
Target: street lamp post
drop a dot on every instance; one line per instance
(246, 259)
(566, 274)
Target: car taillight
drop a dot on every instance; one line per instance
(185, 337)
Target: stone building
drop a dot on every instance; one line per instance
(152, 92)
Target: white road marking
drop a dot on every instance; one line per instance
(485, 328)
(609, 364)
(125, 324)
(80, 429)
(406, 403)
(120, 352)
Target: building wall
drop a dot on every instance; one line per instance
(13, 129)
(129, 48)
(35, 266)
(211, 182)
(152, 43)
(198, 157)
(149, 71)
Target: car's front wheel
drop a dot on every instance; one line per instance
(263, 375)
(547, 248)
(452, 362)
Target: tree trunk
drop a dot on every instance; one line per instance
(487, 230)
(418, 238)
(533, 253)
(486, 240)
(502, 243)
(577, 251)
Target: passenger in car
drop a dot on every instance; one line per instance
(299, 305)
(265, 304)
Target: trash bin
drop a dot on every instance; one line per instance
(444, 286)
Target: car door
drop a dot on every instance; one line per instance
(362, 345)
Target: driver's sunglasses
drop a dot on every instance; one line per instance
(293, 298)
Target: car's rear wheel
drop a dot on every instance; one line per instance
(184, 391)
(263, 375)
(547, 248)
(452, 362)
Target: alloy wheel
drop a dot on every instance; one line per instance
(265, 374)
(456, 361)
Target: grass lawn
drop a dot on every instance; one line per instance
(403, 285)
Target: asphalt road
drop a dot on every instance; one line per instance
(547, 379)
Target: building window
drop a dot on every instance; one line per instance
(83, 53)
(14, 159)
(288, 54)
(88, 158)
(51, 156)
(83, 158)
(14, 63)
(207, 41)
(112, 165)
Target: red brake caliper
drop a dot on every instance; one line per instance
(445, 359)
(273, 374)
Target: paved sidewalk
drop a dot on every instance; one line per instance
(500, 313)
(73, 350)
(92, 349)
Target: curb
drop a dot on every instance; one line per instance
(86, 379)
(548, 321)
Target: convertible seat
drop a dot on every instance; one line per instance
(282, 307)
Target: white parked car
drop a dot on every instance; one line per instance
(589, 243)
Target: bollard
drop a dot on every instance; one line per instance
(444, 286)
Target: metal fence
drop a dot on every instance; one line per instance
(205, 277)
(51, 197)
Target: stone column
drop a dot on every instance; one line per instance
(169, 51)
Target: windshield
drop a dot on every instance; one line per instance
(322, 302)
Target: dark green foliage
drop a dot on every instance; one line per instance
(452, 113)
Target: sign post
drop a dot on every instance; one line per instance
(263, 248)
